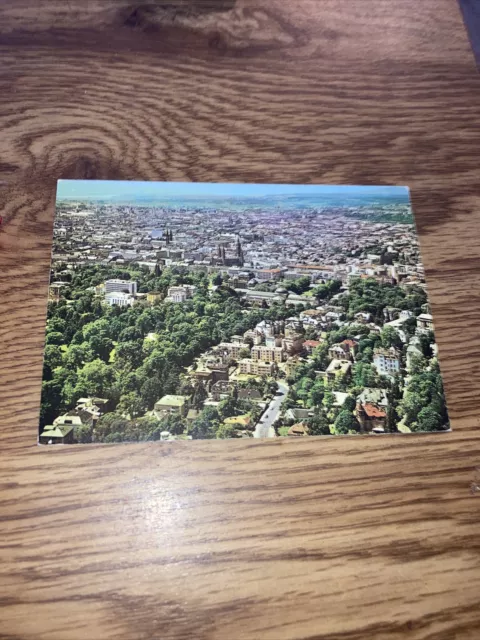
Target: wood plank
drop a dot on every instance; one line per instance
(373, 537)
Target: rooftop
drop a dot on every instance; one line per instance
(243, 420)
(171, 401)
(59, 431)
(372, 411)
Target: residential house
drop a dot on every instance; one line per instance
(154, 296)
(171, 404)
(298, 430)
(192, 415)
(371, 409)
(242, 422)
(424, 323)
(253, 395)
(298, 414)
(221, 389)
(59, 434)
(337, 369)
(310, 345)
(371, 417)
(177, 294)
(414, 351)
(292, 343)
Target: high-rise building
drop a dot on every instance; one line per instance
(124, 286)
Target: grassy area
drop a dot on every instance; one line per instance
(283, 431)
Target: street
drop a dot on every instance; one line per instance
(264, 428)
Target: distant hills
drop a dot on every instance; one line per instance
(290, 201)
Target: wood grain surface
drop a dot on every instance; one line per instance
(338, 539)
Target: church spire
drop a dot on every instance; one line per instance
(239, 248)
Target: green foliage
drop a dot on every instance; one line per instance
(364, 375)
(327, 290)
(423, 405)
(390, 338)
(107, 354)
(346, 422)
(206, 425)
(226, 431)
(428, 420)
(319, 424)
(370, 296)
(299, 286)
(199, 395)
(84, 434)
(131, 404)
(349, 404)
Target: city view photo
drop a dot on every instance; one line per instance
(180, 311)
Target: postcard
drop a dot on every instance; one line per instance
(184, 311)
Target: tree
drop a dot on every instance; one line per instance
(428, 420)
(173, 423)
(110, 427)
(244, 352)
(227, 408)
(364, 375)
(328, 400)
(319, 424)
(77, 355)
(84, 433)
(217, 280)
(131, 404)
(54, 337)
(151, 390)
(316, 395)
(205, 426)
(349, 404)
(271, 387)
(390, 338)
(101, 346)
(199, 395)
(346, 422)
(226, 431)
(391, 422)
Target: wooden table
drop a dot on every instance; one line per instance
(337, 539)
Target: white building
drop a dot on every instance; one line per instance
(386, 361)
(177, 294)
(424, 323)
(180, 293)
(119, 298)
(123, 286)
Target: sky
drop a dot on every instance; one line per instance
(105, 189)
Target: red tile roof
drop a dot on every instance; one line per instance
(311, 343)
(373, 412)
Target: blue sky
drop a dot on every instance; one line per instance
(104, 189)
